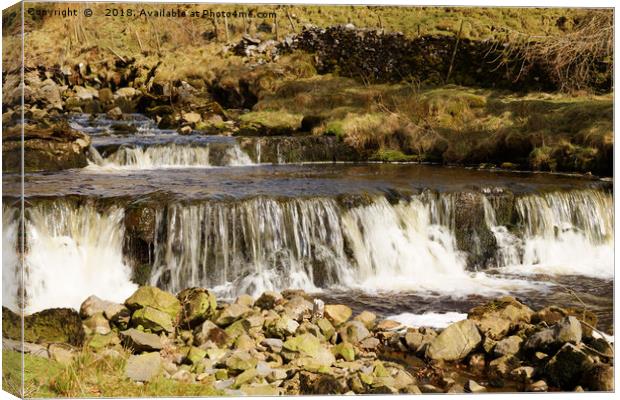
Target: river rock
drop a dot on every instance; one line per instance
(502, 366)
(93, 305)
(152, 319)
(209, 332)
(522, 374)
(231, 313)
(496, 318)
(345, 350)
(417, 340)
(150, 296)
(97, 324)
(538, 386)
(567, 330)
(508, 346)
(367, 318)
(281, 327)
(195, 355)
(298, 308)
(141, 341)
(241, 361)
(48, 93)
(268, 300)
(322, 384)
(197, 305)
(55, 325)
(275, 345)
(326, 327)
(566, 367)
(337, 314)
(143, 367)
(388, 325)
(551, 315)
(455, 342)
(115, 113)
(353, 332)
(599, 377)
(473, 387)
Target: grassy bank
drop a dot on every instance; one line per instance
(451, 124)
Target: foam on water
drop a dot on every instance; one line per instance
(428, 320)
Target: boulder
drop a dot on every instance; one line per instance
(209, 332)
(566, 367)
(48, 93)
(367, 318)
(268, 300)
(298, 308)
(195, 355)
(55, 325)
(153, 319)
(567, 330)
(231, 313)
(496, 318)
(245, 300)
(455, 342)
(353, 332)
(241, 361)
(93, 305)
(508, 346)
(599, 377)
(502, 366)
(417, 340)
(346, 351)
(115, 113)
(61, 353)
(143, 367)
(327, 329)
(141, 341)
(337, 314)
(281, 327)
(97, 323)
(551, 315)
(197, 305)
(150, 296)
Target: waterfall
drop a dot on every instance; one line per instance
(175, 155)
(74, 251)
(569, 232)
(11, 273)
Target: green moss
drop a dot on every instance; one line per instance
(392, 156)
(269, 123)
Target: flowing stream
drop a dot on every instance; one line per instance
(393, 238)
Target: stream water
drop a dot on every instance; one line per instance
(398, 239)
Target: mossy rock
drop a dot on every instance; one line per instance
(269, 123)
(152, 319)
(150, 296)
(197, 305)
(56, 325)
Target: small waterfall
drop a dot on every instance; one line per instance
(11, 263)
(175, 156)
(567, 232)
(74, 251)
(250, 246)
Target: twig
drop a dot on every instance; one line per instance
(117, 55)
(456, 46)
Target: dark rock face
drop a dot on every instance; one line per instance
(46, 148)
(472, 233)
(55, 325)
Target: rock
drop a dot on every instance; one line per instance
(182, 376)
(477, 362)
(473, 387)
(388, 325)
(567, 330)
(118, 315)
(281, 327)
(599, 377)
(98, 342)
(143, 367)
(275, 345)
(260, 390)
(97, 324)
(231, 313)
(195, 355)
(455, 342)
(268, 300)
(55, 325)
(197, 305)
(185, 130)
(83, 93)
(353, 332)
(191, 118)
(245, 300)
(155, 298)
(309, 327)
(298, 308)
(337, 314)
(418, 340)
(522, 374)
(566, 366)
(106, 95)
(93, 305)
(311, 383)
(551, 315)
(125, 92)
(496, 318)
(115, 113)
(508, 346)
(28, 348)
(369, 344)
(502, 366)
(48, 93)
(327, 329)
(209, 332)
(346, 351)
(50, 147)
(367, 318)
(318, 309)
(152, 319)
(141, 341)
(61, 353)
(538, 386)
(241, 361)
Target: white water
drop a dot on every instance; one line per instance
(74, 252)
(430, 320)
(563, 233)
(171, 155)
(11, 271)
(267, 244)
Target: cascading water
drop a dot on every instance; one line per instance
(173, 155)
(74, 251)
(258, 244)
(567, 232)
(11, 272)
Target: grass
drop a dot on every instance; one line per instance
(89, 375)
(455, 124)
